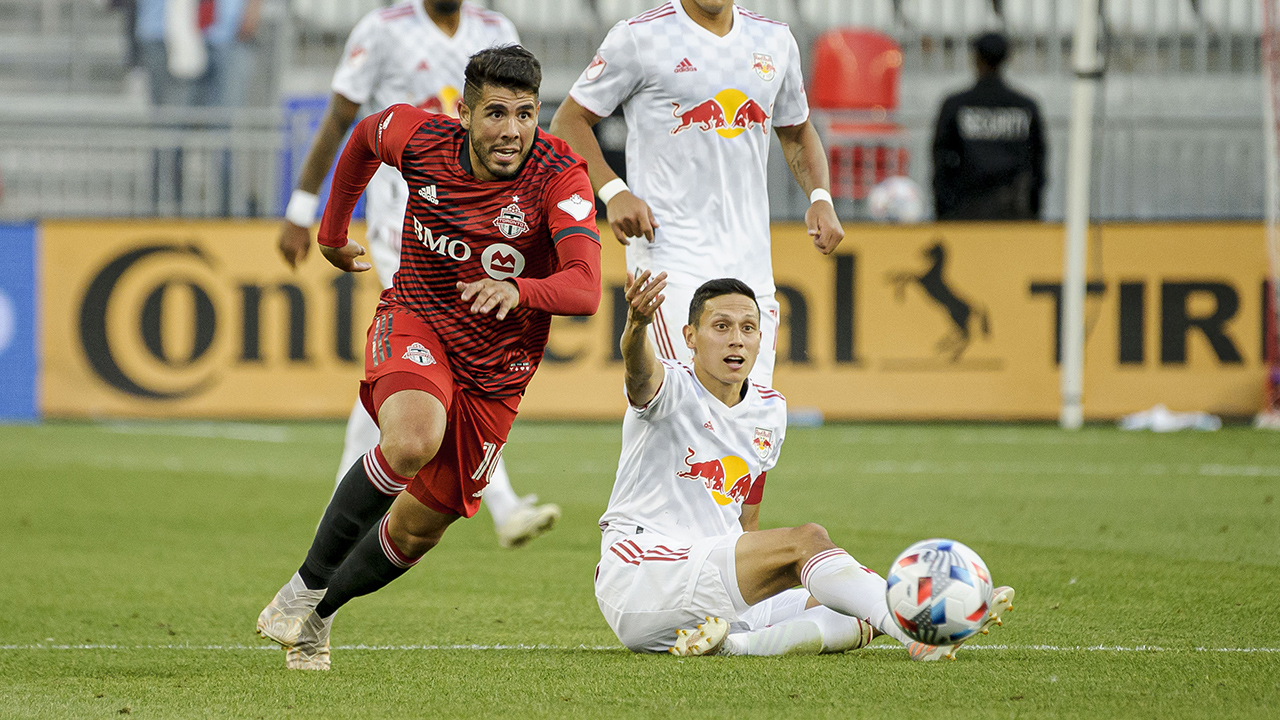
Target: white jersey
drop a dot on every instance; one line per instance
(689, 462)
(399, 55)
(699, 110)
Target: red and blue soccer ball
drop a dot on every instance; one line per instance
(939, 591)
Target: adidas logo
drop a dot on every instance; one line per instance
(428, 193)
(686, 66)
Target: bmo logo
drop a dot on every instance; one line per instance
(501, 261)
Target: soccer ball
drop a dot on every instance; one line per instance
(939, 591)
(897, 199)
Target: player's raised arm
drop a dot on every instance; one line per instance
(641, 366)
(295, 232)
(802, 148)
(629, 216)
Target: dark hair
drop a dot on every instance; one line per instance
(507, 66)
(716, 288)
(992, 47)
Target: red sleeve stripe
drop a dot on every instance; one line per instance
(753, 16)
(394, 12)
(664, 11)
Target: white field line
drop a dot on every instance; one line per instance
(521, 646)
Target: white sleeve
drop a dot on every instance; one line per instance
(509, 34)
(673, 391)
(791, 107)
(357, 75)
(613, 75)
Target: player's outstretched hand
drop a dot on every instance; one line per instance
(824, 226)
(294, 242)
(644, 296)
(630, 217)
(487, 294)
(344, 258)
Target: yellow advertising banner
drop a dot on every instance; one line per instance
(177, 319)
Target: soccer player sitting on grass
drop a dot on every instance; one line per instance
(682, 545)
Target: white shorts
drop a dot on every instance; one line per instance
(649, 586)
(386, 200)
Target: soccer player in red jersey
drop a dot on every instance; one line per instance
(499, 235)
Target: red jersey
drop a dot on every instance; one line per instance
(536, 229)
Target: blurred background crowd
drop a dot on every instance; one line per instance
(99, 119)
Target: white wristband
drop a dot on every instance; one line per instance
(302, 208)
(611, 188)
(820, 194)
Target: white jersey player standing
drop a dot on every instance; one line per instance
(682, 545)
(412, 52)
(702, 84)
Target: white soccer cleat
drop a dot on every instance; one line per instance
(1001, 601)
(527, 522)
(311, 651)
(706, 639)
(281, 621)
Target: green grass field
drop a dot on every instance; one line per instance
(135, 557)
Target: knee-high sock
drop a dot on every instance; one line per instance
(362, 436)
(375, 562)
(836, 580)
(362, 498)
(816, 630)
(498, 495)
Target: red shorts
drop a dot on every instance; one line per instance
(403, 353)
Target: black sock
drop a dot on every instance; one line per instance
(357, 505)
(366, 569)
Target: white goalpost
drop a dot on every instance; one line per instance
(1269, 415)
(1087, 67)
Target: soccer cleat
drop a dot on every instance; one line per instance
(527, 522)
(281, 621)
(1001, 601)
(706, 639)
(311, 651)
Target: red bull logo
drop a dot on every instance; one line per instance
(728, 478)
(446, 102)
(729, 114)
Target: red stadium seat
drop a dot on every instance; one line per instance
(853, 87)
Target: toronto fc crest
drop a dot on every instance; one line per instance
(763, 442)
(511, 222)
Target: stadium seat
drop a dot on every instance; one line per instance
(337, 16)
(548, 16)
(1146, 18)
(1232, 16)
(949, 18)
(1045, 18)
(853, 87)
(873, 14)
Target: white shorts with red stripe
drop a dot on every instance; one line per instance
(649, 586)
(666, 332)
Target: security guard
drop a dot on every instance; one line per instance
(988, 149)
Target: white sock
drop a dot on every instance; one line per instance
(498, 496)
(836, 580)
(816, 630)
(362, 435)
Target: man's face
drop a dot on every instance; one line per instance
(501, 127)
(726, 339)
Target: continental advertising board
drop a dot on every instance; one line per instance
(943, 321)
